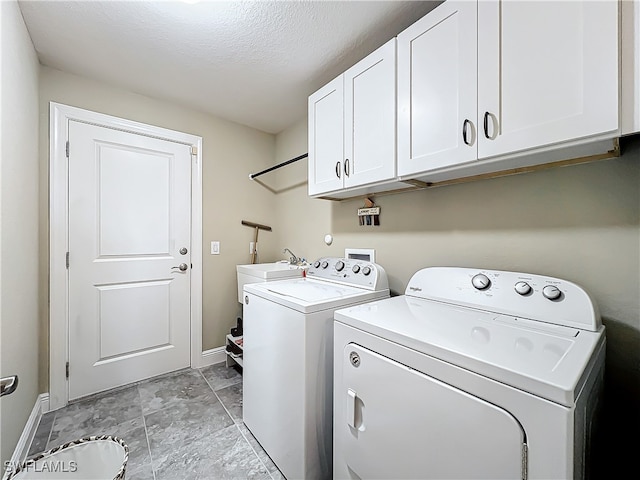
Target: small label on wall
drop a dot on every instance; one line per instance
(368, 211)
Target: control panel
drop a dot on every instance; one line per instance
(535, 297)
(349, 271)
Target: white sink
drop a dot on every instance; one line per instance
(265, 272)
(269, 271)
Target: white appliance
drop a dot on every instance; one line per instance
(471, 374)
(288, 352)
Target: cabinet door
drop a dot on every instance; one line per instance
(547, 73)
(437, 100)
(326, 146)
(370, 118)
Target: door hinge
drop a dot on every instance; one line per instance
(67, 149)
(194, 150)
(67, 371)
(525, 461)
(67, 260)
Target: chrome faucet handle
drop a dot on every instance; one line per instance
(293, 259)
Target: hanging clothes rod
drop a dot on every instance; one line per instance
(275, 167)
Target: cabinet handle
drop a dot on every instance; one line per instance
(338, 169)
(486, 124)
(487, 116)
(346, 167)
(467, 123)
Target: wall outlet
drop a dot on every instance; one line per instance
(215, 248)
(251, 247)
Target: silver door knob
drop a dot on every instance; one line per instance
(183, 251)
(8, 385)
(182, 267)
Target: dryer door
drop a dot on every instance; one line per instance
(400, 423)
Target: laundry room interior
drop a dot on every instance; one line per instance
(578, 221)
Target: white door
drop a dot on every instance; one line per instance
(400, 423)
(129, 228)
(437, 89)
(547, 72)
(370, 118)
(326, 138)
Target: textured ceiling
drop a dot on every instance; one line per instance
(251, 62)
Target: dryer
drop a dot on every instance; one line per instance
(288, 360)
(471, 374)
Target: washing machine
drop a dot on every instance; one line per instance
(288, 360)
(468, 375)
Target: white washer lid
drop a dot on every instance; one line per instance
(543, 359)
(307, 295)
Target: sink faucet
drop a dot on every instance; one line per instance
(293, 260)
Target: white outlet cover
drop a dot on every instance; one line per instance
(215, 248)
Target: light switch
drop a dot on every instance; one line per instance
(215, 248)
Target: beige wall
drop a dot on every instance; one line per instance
(230, 153)
(302, 222)
(580, 223)
(18, 225)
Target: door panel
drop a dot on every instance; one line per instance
(562, 86)
(370, 118)
(437, 95)
(400, 423)
(133, 220)
(124, 329)
(129, 214)
(326, 138)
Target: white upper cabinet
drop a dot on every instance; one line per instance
(492, 78)
(484, 88)
(326, 138)
(547, 73)
(370, 118)
(437, 101)
(352, 122)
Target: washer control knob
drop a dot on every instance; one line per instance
(355, 269)
(481, 281)
(324, 264)
(523, 288)
(339, 265)
(316, 264)
(551, 292)
(366, 271)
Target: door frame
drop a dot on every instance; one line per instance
(59, 117)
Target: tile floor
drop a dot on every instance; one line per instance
(183, 425)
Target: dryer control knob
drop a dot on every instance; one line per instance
(355, 269)
(324, 264)
(366, 271)
(523, 288)
(316, 264)
(551, 292)
(339, 265)
(481, 281)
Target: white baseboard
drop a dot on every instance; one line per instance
(44, 403)
(29, 431)
(213, 356)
